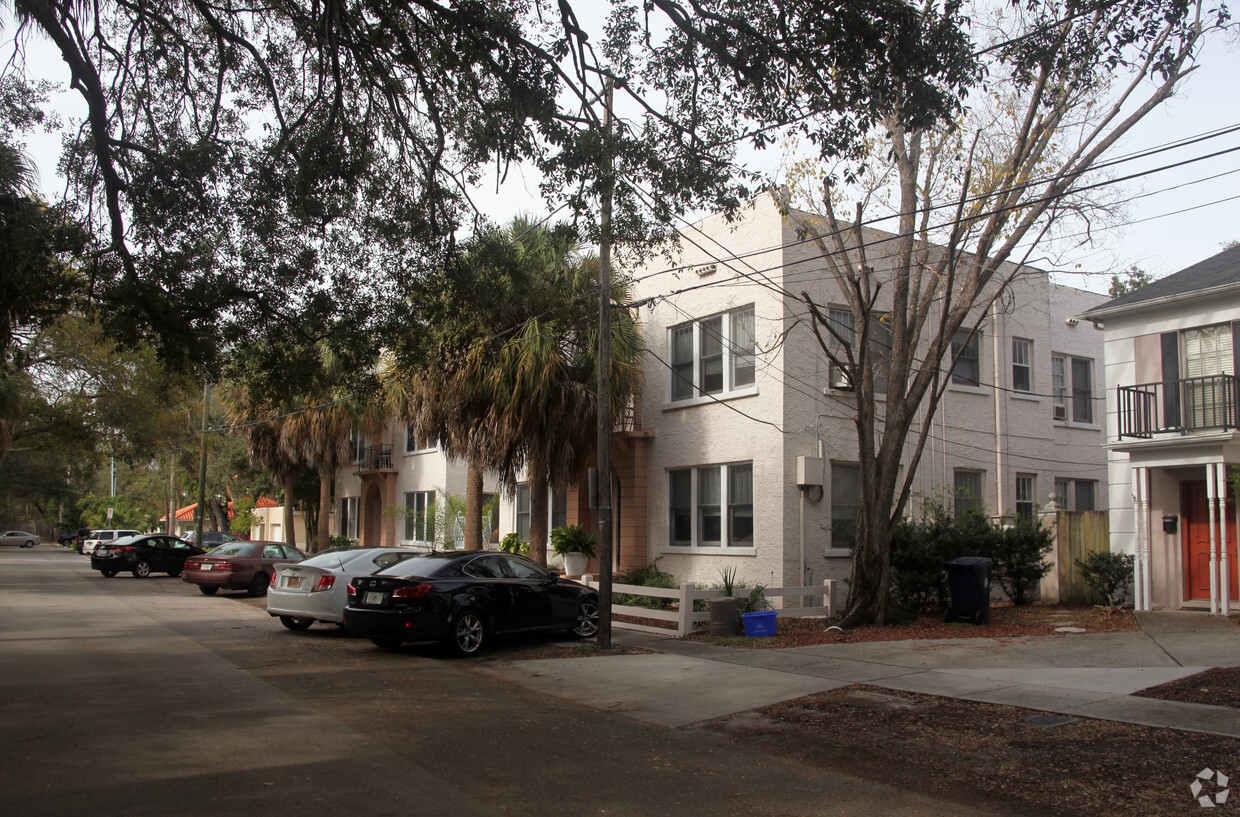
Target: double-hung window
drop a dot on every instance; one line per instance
(968, 490)
(1022, 365)
(1072, 388)
(714, 355)
(966, 351)
(1209, 398)
(523, 511)
(1076, 494)
(845, 503)
(348, 516)
(420, 516)
(711, 506)
(1026, 494)
(414, 444)
(878, 348)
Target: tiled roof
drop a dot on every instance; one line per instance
(186, 514)
(1216, 271)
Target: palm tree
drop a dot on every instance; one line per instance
(264, 438)
(512, 385)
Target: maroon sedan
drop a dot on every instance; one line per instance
(239, 566)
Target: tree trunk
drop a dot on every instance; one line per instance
(323, 540)
(290, 534)
(311, 520)
(538, 521)
(473, 508)
(219, 515)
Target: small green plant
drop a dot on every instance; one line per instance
(512, 544)
(574, 539)
(340, 542)
(1109, 575)
(750, 602)
(647, 576)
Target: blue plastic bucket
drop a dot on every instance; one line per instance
(759, 624)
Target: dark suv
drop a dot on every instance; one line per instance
(211, 538)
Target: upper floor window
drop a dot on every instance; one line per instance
(711, 506)
(878, 351)
(357, 444)
(714, 355)
(413, 443)
(966, 351)
(1022, 365)
(1072, 388)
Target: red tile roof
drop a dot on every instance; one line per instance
(186, 514)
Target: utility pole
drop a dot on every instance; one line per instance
(604, 384)
(202, 467)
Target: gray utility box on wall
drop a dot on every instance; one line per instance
(809, 472)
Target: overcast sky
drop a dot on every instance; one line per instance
(1176, 217)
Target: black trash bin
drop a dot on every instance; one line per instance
(968, 579)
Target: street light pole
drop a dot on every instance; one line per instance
(202, 467)
(604, 385)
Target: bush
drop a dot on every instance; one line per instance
(1019, 553)
(1108, 574)
(647, 576)
(750, 602)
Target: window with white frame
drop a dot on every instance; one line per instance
(357, 443)
(713, 355)
(523, 511)
(1026, 494)
(1022, 365)
(559, 508)
(968, 491)
(711, 506)
(348, 516)
(845, 503)
(1072, 388)
(878, 350)
(1076, 494)
(966, 351)
(413, 444)
(1209, 399)
(420, 516)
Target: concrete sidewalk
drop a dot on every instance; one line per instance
(1093, 676)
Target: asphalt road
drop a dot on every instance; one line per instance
(143, 697)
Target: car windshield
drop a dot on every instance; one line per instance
(125, 540)
(234, 549)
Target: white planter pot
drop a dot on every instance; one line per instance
(575, 563)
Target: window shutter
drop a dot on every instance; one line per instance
(1171, 379)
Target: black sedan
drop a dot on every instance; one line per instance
(464, 598)
(143, 555)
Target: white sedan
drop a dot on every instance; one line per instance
(316, 588)
(19, 538)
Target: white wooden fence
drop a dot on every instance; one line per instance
(686, 619)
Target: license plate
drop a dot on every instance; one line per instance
(373, 598)
(292, 581)
(206, 567)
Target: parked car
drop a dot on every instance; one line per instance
(98, 537)
(315, 589)
(464, 598)
(143, 555)
(20, 538)
(239, 565)
(211, 538)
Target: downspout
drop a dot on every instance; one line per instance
(999, 496)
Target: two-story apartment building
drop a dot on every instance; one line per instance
(1173, 432)
(742, 453)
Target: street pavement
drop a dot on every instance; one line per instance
(143, 697)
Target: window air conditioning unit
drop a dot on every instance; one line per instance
(1061, 411)
(838, 379)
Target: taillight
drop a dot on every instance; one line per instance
(273, 579)
(120, 549)
(192, 565)
(413, 591)
(325, 583)
(352, 592)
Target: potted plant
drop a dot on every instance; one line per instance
(577, 545)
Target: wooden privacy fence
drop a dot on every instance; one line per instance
(685, 618)
(1080, 533)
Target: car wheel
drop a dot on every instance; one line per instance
(296, 622)
(175, 573)
(585, 625)
(468, 633)
(109, 572)
(259, 584)
(28, 544)
(387, 642)
(142, 569)
(208, 589)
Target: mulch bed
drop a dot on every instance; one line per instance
(1219, 687)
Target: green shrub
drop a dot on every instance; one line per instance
(647, 576)
(512, 544)
(1108, 574)
(1019, 553)
(750, 602)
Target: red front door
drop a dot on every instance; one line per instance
(1196, 507)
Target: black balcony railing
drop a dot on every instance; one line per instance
(1185, 406)
(375, 458)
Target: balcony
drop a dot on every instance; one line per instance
(375, 458)
(1188, 406)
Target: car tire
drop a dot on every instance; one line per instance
(467, 634)
(109, 572)
(296, 622)
(387, 642)
(29, 543)
(141, 569)
(208, 589)
(174, 573)
(585, 624)
(259, 584)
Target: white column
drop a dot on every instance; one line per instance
(1144, 587)
(1212, 515)
(1224, 573)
